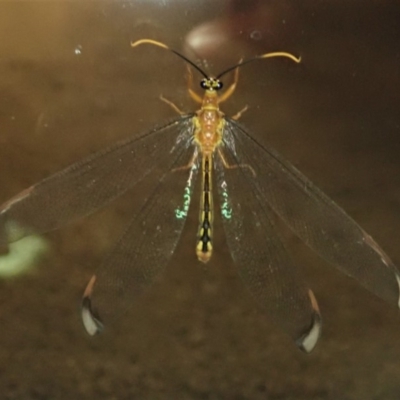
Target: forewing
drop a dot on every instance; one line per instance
(262, 260)
(314, 217)
(89, 184)
(145, 248)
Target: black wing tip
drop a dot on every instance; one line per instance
(308, 340)
(90, 319)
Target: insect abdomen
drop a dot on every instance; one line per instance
(204, 244)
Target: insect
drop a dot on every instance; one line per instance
(252, 183)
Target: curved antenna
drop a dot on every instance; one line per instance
(266, 55)
(164, 46)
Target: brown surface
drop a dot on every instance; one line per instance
(197, 334)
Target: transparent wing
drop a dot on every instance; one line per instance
(262, 260)
(315, 218)
(145, 248)
(89, 184)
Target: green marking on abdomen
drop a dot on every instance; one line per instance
(182, 212)
(226, 209)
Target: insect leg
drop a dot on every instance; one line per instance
(172, 105)
(230, 166)
(228, 92)
(188, 165)
(240, 113)
(192, 93)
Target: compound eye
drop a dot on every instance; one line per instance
(220, 85)
(204, 84)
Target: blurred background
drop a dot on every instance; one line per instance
(71, 84)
